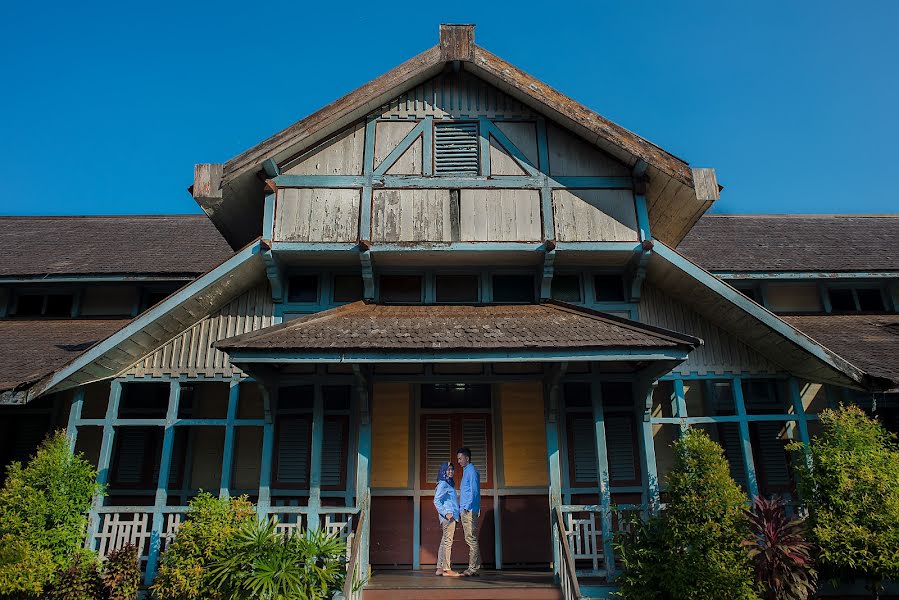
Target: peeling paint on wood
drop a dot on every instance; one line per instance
(317, 215)
(595, 215)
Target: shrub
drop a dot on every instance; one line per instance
(43, 515)
(262, 563)
(692, 550)
(121, 573)
(80, 580)
(850, 483)
(206, 532)
(780, 552)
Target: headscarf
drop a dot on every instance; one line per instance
(441, 475)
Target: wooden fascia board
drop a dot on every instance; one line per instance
(202, 286)
(830, 359)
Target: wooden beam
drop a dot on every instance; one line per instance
(456, 42)
(207, 187)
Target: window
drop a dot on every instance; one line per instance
(609, 288)
(750, 291)
(400, 289)
(43, 305)
(302, 288)
(347, 288)
(861, 299)
(513, 289)
(457, 289)
(841, 300)
(870, 300)
(566, 288)
(144, 401)
(455, 395)
(445, 433)
(101, 301)
(456, 148)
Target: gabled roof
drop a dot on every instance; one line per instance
(165, 245)
(824, 243)
(234, 194)
(437, 329)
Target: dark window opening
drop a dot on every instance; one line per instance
(336, 397)
(59, 305)
(870, 300)
(29, 305)
(566, 288)
(617, 394)
(347, 288)
(302, 288)
(841, 300)
(400, 289)
(751, 293)
(295, 398)
(609, 288)
(577, 395)
(512, 289)
(144, 401)
(452, 289)
(48, 305)
(455, 395)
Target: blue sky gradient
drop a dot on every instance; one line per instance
(107, 106)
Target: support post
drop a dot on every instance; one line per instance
(752, 485)
(647, 447)
(74, 416)
(269, 397)
(552, 451)
(679, 404)
(106, 445)
(602, 463)
(162, 483)
(363, 458)
(315, 464)
(228, 456)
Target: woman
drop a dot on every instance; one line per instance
(447, 504)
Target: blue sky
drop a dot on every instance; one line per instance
(107, 106)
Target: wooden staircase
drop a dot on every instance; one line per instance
(491, 585)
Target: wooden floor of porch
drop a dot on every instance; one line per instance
(492, 585)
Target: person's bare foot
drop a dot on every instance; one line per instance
(451, 573)
(439, 573)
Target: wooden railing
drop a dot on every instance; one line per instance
(352, 586)
(582, 527)
(567, 573)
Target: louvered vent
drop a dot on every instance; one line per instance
(620, 447)
(584, 451)
(474, 436)
(456, 148)
(293, 451)
(438, 449)
(772, 456)
(132, 445)
(729, 438)
(332, 453)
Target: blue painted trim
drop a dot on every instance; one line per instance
(679, 401)
(315, 464)
(458, 246)
(488, 129)
(799, 410)
(782, 418)
(52, 279)
(752, 486)
(642, 217)
(271, 168)
(368, 151)
(103, 461)
(468, 356)
(598, 247)
(228, 451)
(549, 259)
(648, 450)
(484, 153)
(724, 376)
(396, 153)
(275, 275)
(368, 275)
(263, 504)
(824, 275)
(161, 497)
(74, 417)
(455, 181)
(268, 217)
(602, 463)
(756, 311)
(427, 147)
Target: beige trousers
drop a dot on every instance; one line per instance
(470, 528)
(445, 550)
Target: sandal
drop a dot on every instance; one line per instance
(451, 573)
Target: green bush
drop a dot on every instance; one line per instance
(692, 550)
(80, 580)
(849, 481)
(43, 515)
(262, 563)
(206, 531)
(121, 573)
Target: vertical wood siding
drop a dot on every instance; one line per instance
(571, 156)
(721, 352)
(339, 155)
(412, 215)
(524, 136)
(595, 215)
(500, 215)
(391, 403)
(524, 434)
(317, 215)
(191, 353)
(388, 136)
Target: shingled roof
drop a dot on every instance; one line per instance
(30, 349)
(186, 245)
(871, 342)
(828, 243)
(364, 326)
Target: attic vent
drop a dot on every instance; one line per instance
(456, 148)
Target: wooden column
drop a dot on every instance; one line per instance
(752, 485)
(602, 464)
(74, 417)
(363, 459)
(552, 453)
(644, 391)
(315, 464)
(162, 482)
(228, 455)
(269, 397)
(106, 445)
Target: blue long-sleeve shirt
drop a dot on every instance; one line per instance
(445, 500)
(470, 489)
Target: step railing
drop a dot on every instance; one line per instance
(582, 527)
(352, 585)
(571, 590)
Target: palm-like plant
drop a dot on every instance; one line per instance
(261, 563)
(780, 552)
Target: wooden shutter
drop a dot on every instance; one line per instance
(729, 438)
(771, 457)
(620, 448)
(438, 446)
(582, 455)
(293, 446)
(133, 448)
(28, 432)
(333, 453)
(456, 148)
(474, 436)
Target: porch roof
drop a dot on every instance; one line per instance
(361, 330)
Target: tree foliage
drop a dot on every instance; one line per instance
(849, 481)
(206, 532)
(780, 552)
(43, 516)
(692, 550)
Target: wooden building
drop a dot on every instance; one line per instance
(453, 254)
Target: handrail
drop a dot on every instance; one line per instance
(353, 558)
(571, 590)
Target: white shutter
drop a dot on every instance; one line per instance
(438, 449)
(583, 452)
(474, 437)
(620, 448)
(293, 451)
(332, 452)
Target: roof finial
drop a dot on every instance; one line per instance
(456, 42)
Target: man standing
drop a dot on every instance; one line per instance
(470, 505)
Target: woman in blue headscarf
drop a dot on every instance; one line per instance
(447, 503)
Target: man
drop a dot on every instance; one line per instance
(470, 505)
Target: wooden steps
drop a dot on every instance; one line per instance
(491, 585)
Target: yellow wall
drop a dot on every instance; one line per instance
(524, 434)
(391, 403)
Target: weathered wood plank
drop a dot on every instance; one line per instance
(339, 155)
(595, 215)
(411, 215)
(317, 215)
(505, 215)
